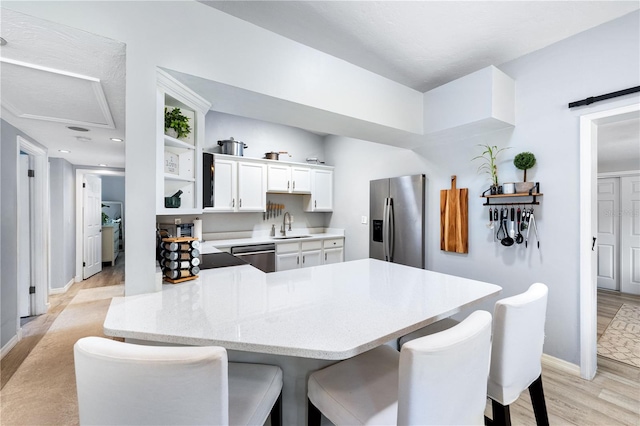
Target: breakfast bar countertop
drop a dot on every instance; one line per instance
(328, 312)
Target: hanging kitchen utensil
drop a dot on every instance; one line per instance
(454, 219)
(507, 241)
(519, 236)
(532, 224)
(512, 231)
(490, 225)
(502, 227)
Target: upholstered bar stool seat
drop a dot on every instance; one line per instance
(438, 379)
(125, 384)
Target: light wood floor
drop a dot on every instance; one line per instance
(612, 398)
(36, 328)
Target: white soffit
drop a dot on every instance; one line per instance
(84, 103)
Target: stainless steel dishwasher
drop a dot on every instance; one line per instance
(261, 256)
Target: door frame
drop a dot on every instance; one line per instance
(40, 251)
(588, 215)
(79, 209)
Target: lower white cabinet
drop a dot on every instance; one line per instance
(333, 250)
(304, 254)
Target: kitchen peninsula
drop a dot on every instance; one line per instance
(301, 320)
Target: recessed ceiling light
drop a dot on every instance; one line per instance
(102, 165)
(77, 129)
(117, 139)
(83, 138)
(64, 151)
(3, 42)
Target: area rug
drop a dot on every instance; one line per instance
(43, 389)
(621, 339)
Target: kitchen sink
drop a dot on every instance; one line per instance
(287, 237)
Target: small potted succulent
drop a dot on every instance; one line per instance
(489, 165)
(524, 161)
(176, 124)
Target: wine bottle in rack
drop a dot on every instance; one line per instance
(171, 255)
(170, 246)
(181, 273)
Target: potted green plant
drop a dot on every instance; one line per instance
(524, 161)
(490, 165)
(176, 124)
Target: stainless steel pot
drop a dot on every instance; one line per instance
(233, 147)
(272, 155)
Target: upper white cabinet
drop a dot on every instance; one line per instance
(480, 102)
(321, 198)
(179, 165)
(239, 186)
(252, 193)
(288, 179)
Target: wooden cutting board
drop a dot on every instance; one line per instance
(454, 219)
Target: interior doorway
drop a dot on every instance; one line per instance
(34, 202)
(589, 229)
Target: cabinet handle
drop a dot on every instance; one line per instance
(240, 203)
(325, 257)
(294, 185)
(233, 202)
(303, 260)
(297, 260)
(288, 183)
(315, 203)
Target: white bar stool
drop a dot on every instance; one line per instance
(435, 380)
(125, 384)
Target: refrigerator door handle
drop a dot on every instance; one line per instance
(392, 234)
(385, 230)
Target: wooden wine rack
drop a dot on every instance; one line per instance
(179, 240)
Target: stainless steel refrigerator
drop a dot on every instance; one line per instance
(397, 220)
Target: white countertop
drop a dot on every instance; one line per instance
(325, 312)
(207, 246)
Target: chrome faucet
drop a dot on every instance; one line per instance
(283, 232)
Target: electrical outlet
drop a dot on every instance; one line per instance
(363, 220)
(177, 221)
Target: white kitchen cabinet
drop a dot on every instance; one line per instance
(321, 198)
(333, 250)
(293, 255)
(252, 191)
(311, 253)
(287, 256)
(179, 164)
(239, 186)
(288, 179)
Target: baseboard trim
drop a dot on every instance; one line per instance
(62, 289)
(561, 364)
(11, 343)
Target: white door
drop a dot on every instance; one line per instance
(608, 233)
(92, 198)
(24, 239)
(630, 234)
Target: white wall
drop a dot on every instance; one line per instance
(63, 222)
(598, 61)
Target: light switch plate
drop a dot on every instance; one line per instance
(363, 220)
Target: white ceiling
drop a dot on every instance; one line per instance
(424, 44)
(421, 44)
(53, 77)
